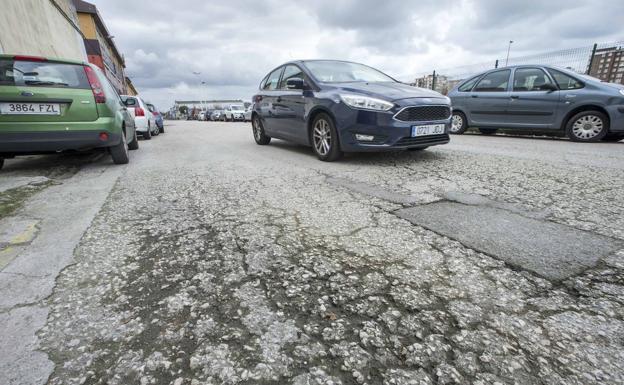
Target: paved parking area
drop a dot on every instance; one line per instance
(216, 261)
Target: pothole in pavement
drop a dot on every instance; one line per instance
(520, 238)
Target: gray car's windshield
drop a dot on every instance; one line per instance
(328, 71)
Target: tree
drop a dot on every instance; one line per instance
(183, 110)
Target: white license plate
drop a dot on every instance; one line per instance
(429, 129)
(30, 109)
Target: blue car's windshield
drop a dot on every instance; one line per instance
(327, 71)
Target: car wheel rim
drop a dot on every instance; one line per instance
(587, 127)
(456, 123)
(257, 130)
(322, 137)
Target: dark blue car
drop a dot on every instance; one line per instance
(337, 106)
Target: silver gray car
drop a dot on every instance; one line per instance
(543, 99)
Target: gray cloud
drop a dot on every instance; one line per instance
(234, 44)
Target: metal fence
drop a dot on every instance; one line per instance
(576, 59)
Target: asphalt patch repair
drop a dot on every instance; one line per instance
(551, 250)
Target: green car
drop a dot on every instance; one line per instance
(53, 105)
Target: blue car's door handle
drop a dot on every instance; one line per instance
(474, 96)
(515, 97)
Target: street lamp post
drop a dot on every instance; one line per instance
(508, 50)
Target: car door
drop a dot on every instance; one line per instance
(266, 98)
(289, 106)
(534, 99)
(489, 99)
(461, 96)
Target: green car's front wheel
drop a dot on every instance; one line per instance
(119, 152)
(134, 145)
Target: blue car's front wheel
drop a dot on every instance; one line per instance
(325, 141)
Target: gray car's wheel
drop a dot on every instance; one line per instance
(324, 138)
(488, 131)
(119, 152)
(258, 131)
(459, 124)
(162, 129)
(587, 126)
(156, 131)
(134, 145)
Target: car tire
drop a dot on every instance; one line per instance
(324, 138)
(488, 131)
(156, 131)
(1, 163)
(134, 145)
(162, 129)
(587, 126)
(613, 137)
(258, 132)
(147, 135)
(459, 124)
(119, 152)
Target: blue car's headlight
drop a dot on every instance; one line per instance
(622, 92)
(365, 102)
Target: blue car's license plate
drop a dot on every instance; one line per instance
(429, 129)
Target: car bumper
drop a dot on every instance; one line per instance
(37, 142)
(388, 133)
(616, 117)
(238, 117)
(141, 124)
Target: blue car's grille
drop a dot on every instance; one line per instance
(422, 140)
(423, 113)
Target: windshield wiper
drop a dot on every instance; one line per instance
(45, 83)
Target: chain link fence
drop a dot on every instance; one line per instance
(580, 59)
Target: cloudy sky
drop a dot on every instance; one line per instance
(234, 43)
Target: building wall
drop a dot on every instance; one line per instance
(100, 53)
(37, 27)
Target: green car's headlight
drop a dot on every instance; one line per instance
(365, 102)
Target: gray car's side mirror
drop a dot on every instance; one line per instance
(548, 87)
(294, 84)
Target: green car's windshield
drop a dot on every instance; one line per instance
(42, 74)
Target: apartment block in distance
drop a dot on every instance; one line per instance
(608, 65)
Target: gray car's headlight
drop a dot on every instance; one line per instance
(365, 102)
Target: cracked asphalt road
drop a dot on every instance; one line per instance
(217, 261)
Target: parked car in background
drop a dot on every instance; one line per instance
(201, 116)
(338, 106)
(144, 120)
(216, 115)
(158, 118)
(248, 112)
(50, 105)
(543, 99)
(233, 113)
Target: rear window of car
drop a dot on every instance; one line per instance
(130, 101)
(42, 74)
